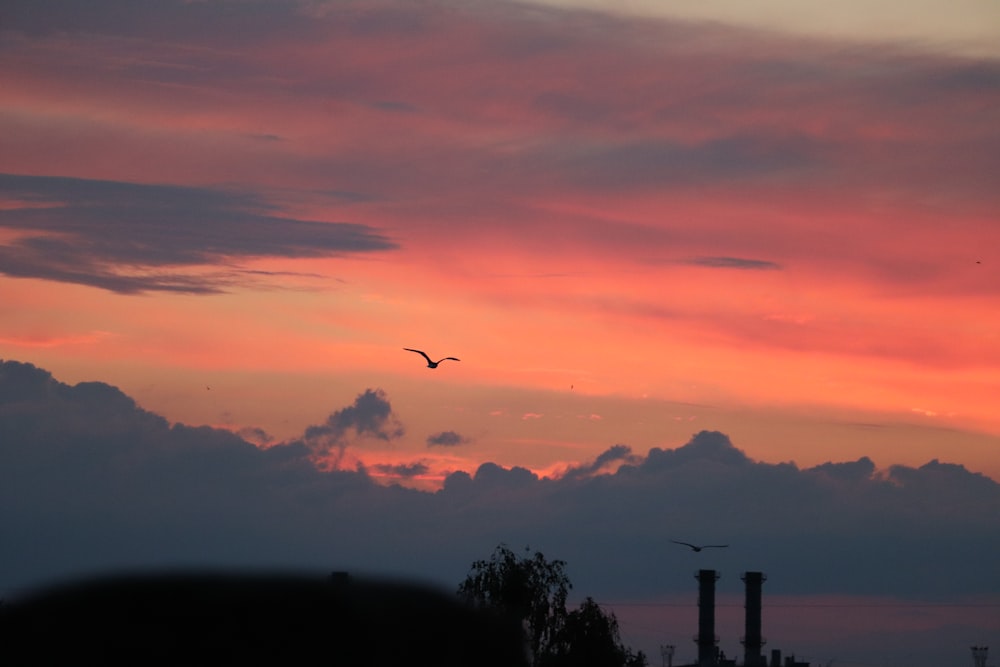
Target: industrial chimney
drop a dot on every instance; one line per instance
(753, 642)
(706, 638)
(979, 654)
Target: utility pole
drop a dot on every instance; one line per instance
(667, 653)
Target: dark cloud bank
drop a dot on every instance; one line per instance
(89, 482)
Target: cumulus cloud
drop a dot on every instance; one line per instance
(861, 470)
(710, 447)
(370, 416)
(89, 480)
(446, 439)
(491, 475)
(405, 470)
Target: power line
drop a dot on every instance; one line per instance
(823, 605)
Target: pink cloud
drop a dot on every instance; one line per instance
(573, 169)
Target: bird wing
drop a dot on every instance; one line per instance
(420, 352)
(716, 546)
(685, 544)
(452, 358)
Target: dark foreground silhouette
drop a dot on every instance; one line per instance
(222, 619)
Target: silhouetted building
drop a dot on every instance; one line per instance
(709, 654)
(753, 641)
(790, 661)
(706, 638)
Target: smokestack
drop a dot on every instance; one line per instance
(706, 617)
(979, 654)
(752, 639)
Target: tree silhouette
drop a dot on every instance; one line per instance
(534, 590)
(530, 588)
(589, 638)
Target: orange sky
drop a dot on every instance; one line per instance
(629, 229)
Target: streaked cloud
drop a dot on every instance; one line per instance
(132, 238)
(538, 142)
(734, 263)
(966, 26)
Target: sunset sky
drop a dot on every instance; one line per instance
(631, 221)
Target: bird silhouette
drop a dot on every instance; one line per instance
(695, 547)
(430, 364)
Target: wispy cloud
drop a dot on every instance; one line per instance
(446, 439)
(520, 113)
(619, 454)
(734, 263)
(132, 238)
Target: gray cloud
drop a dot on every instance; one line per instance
(405, 470)
(256, 435)
(89, 481)
(178, 18)
(370, 416)
(446, 439)
(859, 471)
(97, 232)
(652, 163)
(491, 475)
(703, 105)
(613, 454)
(734, 263)
(395, 107)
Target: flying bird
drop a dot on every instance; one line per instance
(704, 546)
(430, 364)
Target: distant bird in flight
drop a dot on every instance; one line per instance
(704, 546)
(430, 364)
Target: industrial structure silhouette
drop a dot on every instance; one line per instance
(212, 618)
(753, 641)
